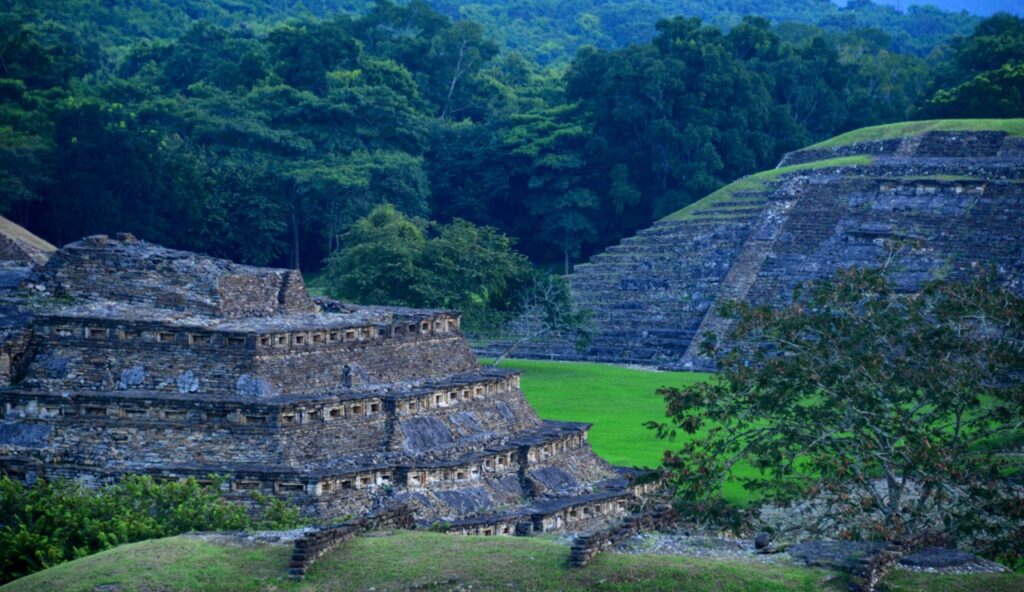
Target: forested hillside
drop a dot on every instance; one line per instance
(552, 30)
(261, 134)
(549, 31)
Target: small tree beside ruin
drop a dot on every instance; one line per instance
(884, 413)
(546, 311)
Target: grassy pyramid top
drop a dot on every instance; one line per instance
(1013, 127)
(20, 234)
(758, 181)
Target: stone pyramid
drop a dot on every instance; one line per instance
(929, 204)
(142, 359)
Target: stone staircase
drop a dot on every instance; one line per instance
(739, 280)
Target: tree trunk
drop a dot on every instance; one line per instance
(511, 348)
(295, 238)
(455, 80)
(565, 251)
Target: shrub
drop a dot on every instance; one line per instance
(55, 521)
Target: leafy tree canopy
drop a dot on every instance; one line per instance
(262, 132)
(986, 75)
(389, 258)
(891, 412)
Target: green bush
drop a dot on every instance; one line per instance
(390, 258)
(52, 522)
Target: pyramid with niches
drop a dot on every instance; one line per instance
(176, 365)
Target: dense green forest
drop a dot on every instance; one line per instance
(553, 30)
(262, 133)
(548, 31)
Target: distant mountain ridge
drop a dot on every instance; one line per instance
(553, 30)
(979, 7)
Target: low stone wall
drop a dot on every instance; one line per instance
(572, 513)
(866, 562)
(310, 547)
(588, 545)
(870, 570)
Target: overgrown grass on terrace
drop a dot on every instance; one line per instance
(759, 181)
(1013, 127)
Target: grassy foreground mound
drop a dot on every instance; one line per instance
(422, 560)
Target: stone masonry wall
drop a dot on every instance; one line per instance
(137, 428)
(113, 354)
(932, 229)
(13, 352)
(175, 365)
(100, 450)
(386, 361)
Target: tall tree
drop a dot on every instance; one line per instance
(987, 76)
(389, 258)
(553, 143)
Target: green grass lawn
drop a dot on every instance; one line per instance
(617, 400)
(171, 564)
(446, 562)
(432, 561)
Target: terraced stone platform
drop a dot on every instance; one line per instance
(136, 359)
(936, 204)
